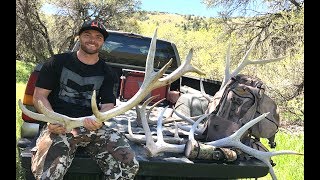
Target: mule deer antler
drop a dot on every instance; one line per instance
(152, 80)
(160, 146)
(144, 117)
(154, 148)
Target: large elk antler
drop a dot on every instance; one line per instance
(213, 102)
(243, 63)
(152, 80)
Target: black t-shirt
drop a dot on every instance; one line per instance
(72, 83)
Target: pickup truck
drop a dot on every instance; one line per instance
(126, 53)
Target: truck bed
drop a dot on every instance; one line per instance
(163, 166)
(171, 168)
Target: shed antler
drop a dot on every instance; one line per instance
(234, 141)
(160, 145)
(151, 81)
(173, 144)
(154, 148)
(213, 102)
(243, 63)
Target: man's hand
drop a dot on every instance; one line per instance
(56, 128)
(91, 124)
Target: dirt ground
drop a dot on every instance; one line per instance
(292, 127)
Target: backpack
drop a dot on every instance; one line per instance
(242, 100)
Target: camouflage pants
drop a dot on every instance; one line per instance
(53, 154)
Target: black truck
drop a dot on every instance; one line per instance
(126, 53)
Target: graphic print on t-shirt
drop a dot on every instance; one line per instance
(77, 89)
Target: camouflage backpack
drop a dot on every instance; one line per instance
(243, 99)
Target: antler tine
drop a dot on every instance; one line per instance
(184, 118)
(176, 132)
(244, 61)
(159, 125)
(138, 119)
(181, 70)
(150, 109)
(234, 141)
(144, 121)
(132, 137)
(187, 119)
(195, 125)
(148, 112)
(151, 54)
(203, 92)
(227, 69)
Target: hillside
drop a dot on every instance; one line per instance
(209, 40)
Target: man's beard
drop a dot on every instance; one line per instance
(89, 51)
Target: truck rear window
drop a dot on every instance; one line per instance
(132, 50)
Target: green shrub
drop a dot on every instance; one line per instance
(23, 70)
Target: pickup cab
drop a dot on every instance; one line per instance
(126, 53)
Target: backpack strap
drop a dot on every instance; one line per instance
(252, 110)
(271, 142)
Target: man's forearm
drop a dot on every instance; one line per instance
(44, 101)
(42, 95)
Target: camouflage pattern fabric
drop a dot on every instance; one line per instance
(53, 154)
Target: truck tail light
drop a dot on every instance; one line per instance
(28, 95)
